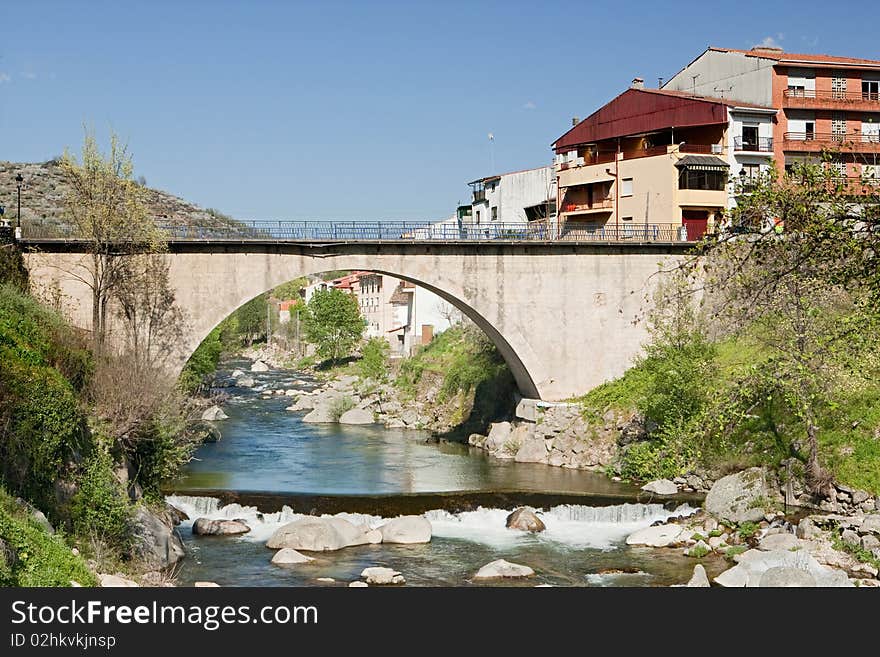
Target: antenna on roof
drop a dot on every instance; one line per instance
(721, 92)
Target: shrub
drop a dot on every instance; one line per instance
(99, 508)
(340, 406)
(33, 557)
(747, 530)
(203, 362)
(374, 359)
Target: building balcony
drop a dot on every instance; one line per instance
(856, 185)
(759, 145)
(479, 196)
(833, 100)
(596, 207)
(815, 142)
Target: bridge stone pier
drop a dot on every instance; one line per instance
(565, 316)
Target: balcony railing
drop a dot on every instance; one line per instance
(869, 96)
(761, 144)
(833, 137)
(604, 204)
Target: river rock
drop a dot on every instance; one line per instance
(356, 416)
(177, 515)
(357, 585)
(236, 374)
(245, 382)
(871, 524)
(699, 579)
(753, 564)
(501, 568)
(373, 536)
(784, 541)
(406, 529)
(154, 542)
(532, 450)
(525, 519)
(660, 487)
(739, 497)
(115, 581)
(302, 403)
(786, 576)
(317, 535)
(659, 536)
(213, 414)
(259, 366)
(206, 585)
(382, 575)
(219, 527)
(476, 439)
(320, 415)
(498, 436)
(288, 556)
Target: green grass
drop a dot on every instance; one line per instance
(40, 558)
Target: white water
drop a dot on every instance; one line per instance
(573, 526)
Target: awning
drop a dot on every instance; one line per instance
(609, 179)
(702, 163)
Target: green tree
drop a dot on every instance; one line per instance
(106, 207)
(333, 323)
(374, 359)
(251, 319)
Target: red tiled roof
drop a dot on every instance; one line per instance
(783, 56)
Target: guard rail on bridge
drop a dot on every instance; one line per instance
(384, 231)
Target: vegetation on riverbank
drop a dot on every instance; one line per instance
(765, 350)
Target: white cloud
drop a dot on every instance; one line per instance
(770, 42)
(529, 105)
(4, 77)
(28, 75)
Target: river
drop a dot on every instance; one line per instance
(269, 468)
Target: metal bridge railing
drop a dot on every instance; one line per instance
(357, 231)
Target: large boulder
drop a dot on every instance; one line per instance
(406, 529)
(220, 527)
(245, 382)
(532, 450)
(154, 541)
(382, 575)
(320, 415)
(699, 579)
(213, 414)
(786, 576)
(660, 487)
(356, 416)
(289, 556)
(659, 536)
(754, 564)
(259, 366)
(317, 535)
(525, 519)
(501, 568)
(115, 581)
(499, 433)
(302, 403)
(740, 497)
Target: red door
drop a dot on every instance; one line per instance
(696, 223)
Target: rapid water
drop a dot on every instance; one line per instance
(291, 468)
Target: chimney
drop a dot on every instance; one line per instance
(575, 120)
(637, 83)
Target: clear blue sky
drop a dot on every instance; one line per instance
(283, 110)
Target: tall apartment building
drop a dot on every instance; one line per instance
(823, 102)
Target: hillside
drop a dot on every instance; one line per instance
(42, 198)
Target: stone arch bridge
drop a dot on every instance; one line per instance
(565, 315)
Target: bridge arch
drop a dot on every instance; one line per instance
(524, 381)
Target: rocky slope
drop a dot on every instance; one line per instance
(42, 198)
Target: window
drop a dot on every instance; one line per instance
(750, 138)
(494, 213)
(713, 179)
(838, 85)
(749, 176)
(802, 83)
(838, 126)
(478, 216)
(870, 130)
(626, 187)
(838, 168)
(809, 130)
(871, 89)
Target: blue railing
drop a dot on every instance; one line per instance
(381, 231)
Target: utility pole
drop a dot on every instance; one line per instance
(268, 320)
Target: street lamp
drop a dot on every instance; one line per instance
(18, 180)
